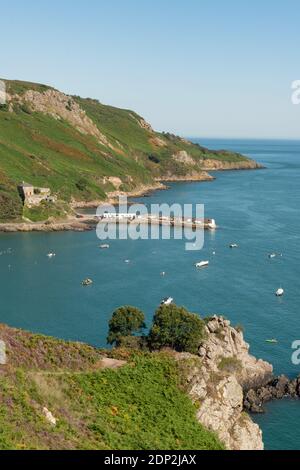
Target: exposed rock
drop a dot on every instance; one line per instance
(191, 176)
(60, 106)
(158, 142)
(276, 389)
(210, 164)
(183, 157)
(216, 381)
(224, 341)
(3, 357)
(145, 125)
(114, 180)
(49, 417)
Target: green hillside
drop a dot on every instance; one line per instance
(74, 145)
(138, 406)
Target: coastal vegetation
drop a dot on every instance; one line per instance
(172, 327)
(84, 150)
(140, 405)
(64, 395)
(125, 322)
(176, 328)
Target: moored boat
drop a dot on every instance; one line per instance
(202, 264)
(167, 301)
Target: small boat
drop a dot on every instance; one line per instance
(234, 245)
(275, 255)
(104, 247)
(280, 292)
(167, 301)
(271, 341)
(87, 282)
(51, 255)
(202, 264)
(163, 274)
(127, 261)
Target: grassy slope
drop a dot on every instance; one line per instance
(140, 406)
(43, 151)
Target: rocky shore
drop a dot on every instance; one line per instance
(193, 176)
(85, 223)
(217, 165)
(276, 389)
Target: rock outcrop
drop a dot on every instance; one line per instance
(183, 157)
(210, 164)
(226, 344)
(3, 358)
(191, 176)
(277, 389)
(60, 106)
(217, 380)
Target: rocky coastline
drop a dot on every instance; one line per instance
(276, 389)
(80, 224)
(217, 165)
(86, 223)
(216, 381)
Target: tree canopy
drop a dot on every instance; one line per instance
(177, 328)
(126, 321)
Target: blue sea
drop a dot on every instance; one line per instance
(258, 210)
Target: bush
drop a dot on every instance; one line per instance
(138, 343)
(177, 328)
(230, 365)
(82, 184)
(126, 321)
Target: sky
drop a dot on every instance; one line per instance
(202, 68)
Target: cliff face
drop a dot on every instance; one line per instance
(216, 165)
(217, 381)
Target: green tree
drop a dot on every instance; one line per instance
(177, 328)
(126, 321)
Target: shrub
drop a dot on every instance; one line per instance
(230, 364)
(154, 159)
(177, 328)
(126, 321)
(82, 184)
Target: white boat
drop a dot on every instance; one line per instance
(202, 264)
(87, 282)
(104, 247)
(272, 255)
(163, 274)
(272, 341)
(167, 301)
(234, 245)
(51, 255)
(280, 292)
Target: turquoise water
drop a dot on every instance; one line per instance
(256, 209)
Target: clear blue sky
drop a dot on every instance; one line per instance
(194, 67)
